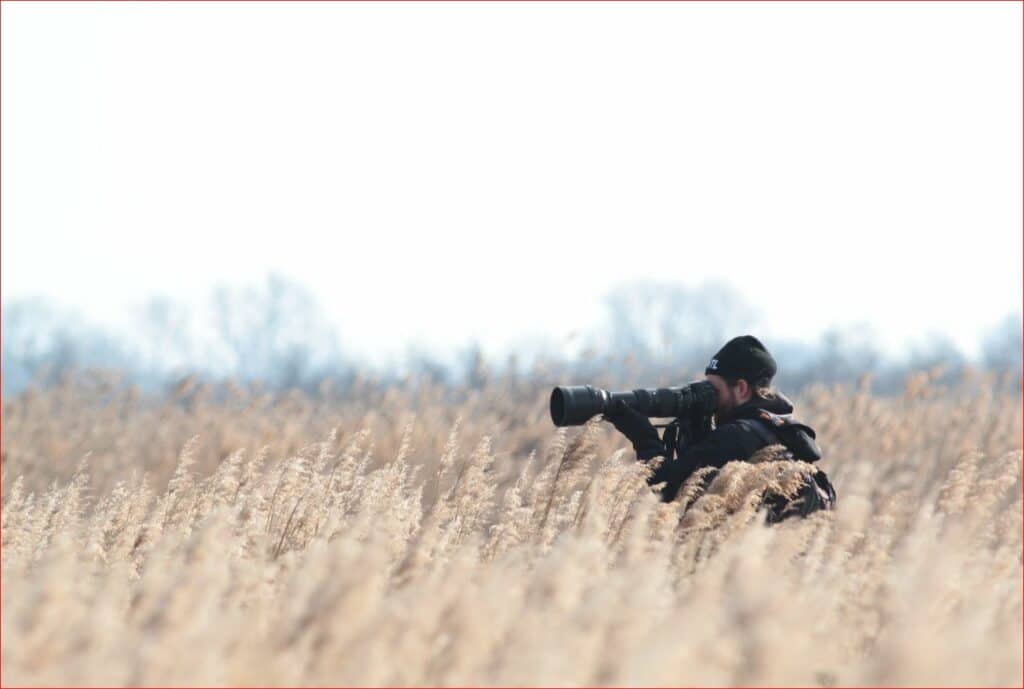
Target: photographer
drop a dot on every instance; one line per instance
(748, 417)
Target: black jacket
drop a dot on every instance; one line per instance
(754, 425)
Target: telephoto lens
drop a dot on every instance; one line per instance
(575, 405)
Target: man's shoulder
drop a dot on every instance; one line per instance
(741, 433)
(771, 427)
(750, 425)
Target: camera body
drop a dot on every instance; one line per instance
(575, 405)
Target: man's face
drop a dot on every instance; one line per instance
(729, 397)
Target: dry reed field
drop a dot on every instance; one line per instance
(420, 537)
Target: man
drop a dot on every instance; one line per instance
(749, 416)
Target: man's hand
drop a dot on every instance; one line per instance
(637, 428)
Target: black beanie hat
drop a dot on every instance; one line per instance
(743, 357)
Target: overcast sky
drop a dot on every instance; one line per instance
(436, 172)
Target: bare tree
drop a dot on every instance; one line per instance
(1001, 347)
(938, 352)
(42, 343)
(668, 323)
(166, 337)
(273, 332)
(844, 354)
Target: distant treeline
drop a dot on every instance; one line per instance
(276, 335)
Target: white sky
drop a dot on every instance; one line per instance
(435, 172)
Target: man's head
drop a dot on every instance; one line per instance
(741, 370)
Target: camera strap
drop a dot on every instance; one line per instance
(669, 439)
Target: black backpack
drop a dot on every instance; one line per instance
(817, 493)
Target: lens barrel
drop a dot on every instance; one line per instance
(575, 405)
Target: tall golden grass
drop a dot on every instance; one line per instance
(400, 537)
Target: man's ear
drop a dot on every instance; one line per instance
(743, 388)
